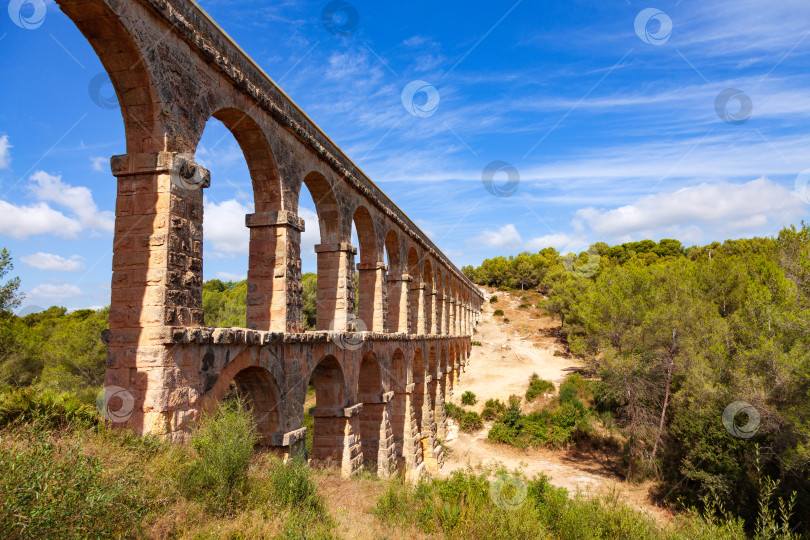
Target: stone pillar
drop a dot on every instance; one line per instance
(433, 306)
(417, 303)
(457, 317)
(335, 304)
(274, 298)
(156, 282)
(379, 450)
(439, 299)
(398, 305)
(439, 412)
(373, 284)
(423, 404)
(336, 439)
(447, 315)
(405, 426)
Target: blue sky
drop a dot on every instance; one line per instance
(619, 129)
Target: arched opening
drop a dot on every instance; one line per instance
(328, 424)
(375, 428)
(324, 303)
(397, 286)
(126, 67)
(256, 386)
(415, 292)
(430, 299)
(370, 273)
(400, 413)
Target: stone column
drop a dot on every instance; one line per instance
(336, 439)
(274, 297)
(379, 450)
(447, 315)
(372, 278)
(423, 405)
(457, 317)
(440, 414)
(405, 425)
(433, 306)
(398, 305)
(156, 282)
(417, 302)
(335, 304)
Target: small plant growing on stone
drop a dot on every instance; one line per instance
(498, 312)
(468, 398)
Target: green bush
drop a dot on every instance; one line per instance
(498, 312)
(50, 490)
(453, 411)
(525, 305)
(470, 421)
(538, 386)
(45, 408)
(492, 408)
(506, 320)
(475, 343)
(493, 299)
(223, 443)
(468, 398)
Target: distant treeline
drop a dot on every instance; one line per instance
(702, 355)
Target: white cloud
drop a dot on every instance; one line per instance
(23, 221)
(49, 261)
(224, 226)
(227, 276)
(724, 208)
(78, 199)
(55, 292)
(5, 153)
(100, 164)
(559, 241)
(506, 236)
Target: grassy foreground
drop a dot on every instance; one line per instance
(64, 474)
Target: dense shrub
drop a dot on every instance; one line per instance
(525, 305)
(498, 312)
(475, 343)
(492, 408)
(538, 386)
(223, 443)
(468, 398)
(45, 408)
(493, 299)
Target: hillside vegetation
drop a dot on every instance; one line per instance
(700, 354)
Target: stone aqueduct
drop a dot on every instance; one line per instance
(380, 393)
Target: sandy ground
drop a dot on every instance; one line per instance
(501, 366)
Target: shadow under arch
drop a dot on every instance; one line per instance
(375, 437)
(330, 398)
(244, 377)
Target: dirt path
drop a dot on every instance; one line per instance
(501, 366)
